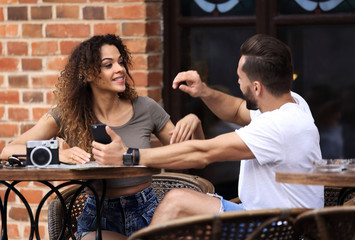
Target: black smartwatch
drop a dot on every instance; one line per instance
(131, 157)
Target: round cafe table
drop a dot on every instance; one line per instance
(82, 175)
(313, 176)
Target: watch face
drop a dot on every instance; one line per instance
(128, 159)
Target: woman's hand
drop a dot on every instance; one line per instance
(74, 155)
(187, 128)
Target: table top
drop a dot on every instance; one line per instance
(83, 173)
(345, 178)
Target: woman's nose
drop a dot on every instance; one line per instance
(118, 67)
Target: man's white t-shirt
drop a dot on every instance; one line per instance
(283, 138)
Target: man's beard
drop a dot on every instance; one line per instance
(250, 100)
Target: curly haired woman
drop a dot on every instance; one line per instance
(96, 87)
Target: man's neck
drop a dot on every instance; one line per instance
(271, 102)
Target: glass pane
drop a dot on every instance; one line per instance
(214, 53)
(316, 6)
(203, 8)
(324, 59)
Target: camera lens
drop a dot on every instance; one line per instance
(41, 156)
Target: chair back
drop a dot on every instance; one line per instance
(330, 223)
(273, 224)
(161, 183)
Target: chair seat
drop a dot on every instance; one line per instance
(330, 223)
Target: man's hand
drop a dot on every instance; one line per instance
(109, 154)
(194, 86)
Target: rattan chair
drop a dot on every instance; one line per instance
(265, 224)
(331, 196)
(162, 183)
(330, 223)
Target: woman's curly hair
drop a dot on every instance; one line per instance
(73, 94)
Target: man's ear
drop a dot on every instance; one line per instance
(257, 87)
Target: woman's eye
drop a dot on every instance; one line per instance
(109, 65)
(121, 63)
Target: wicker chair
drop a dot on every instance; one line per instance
(331, 223)
(331, 196)
(162, 183)
(236, 225)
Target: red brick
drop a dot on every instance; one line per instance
(42, 231)
(105, 28)
(1, 80)
(140, 78)
(154, 10)
(12, 195)
(8, 130)
(140, 62)
(9, 97)
(9, 30)
(0, 48)
(23, 184)
(37, 113)
(17, 13)
(154, 93)
(44, 12)
(32, 195)
(107, 1)
(45, 81)
(133, 29)
(67, 11)
(155, 78)
(50, 97)
(17, 48)
(126, 12)
(153, 28)
(67, 47)
(56, 63)
(64, 1)
(18, 114)
(154, 45)
(32, 30)
(19, 214)
(155, 61)
(44, 48)
(68, 30)
(9, 64)
(1, 14)
(31, 64)
(18, 81)
(144, 79)
(136, 45)
(2, 111)
(92, 13)
(2, 145)
(32, 97)
(28, 1)
(12, 231)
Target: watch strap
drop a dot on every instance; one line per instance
(136, 156)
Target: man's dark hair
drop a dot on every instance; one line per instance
(269, 61)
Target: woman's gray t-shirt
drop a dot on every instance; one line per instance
(148, 117)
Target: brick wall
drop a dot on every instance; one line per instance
(36, 37)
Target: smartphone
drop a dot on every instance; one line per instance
(99, 133)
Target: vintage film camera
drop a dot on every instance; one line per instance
(42, 153)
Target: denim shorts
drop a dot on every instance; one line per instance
(227, 206)
(124, 215)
